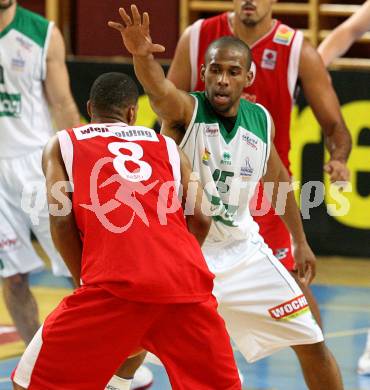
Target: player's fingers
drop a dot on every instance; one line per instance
(146, 23)
(328, 168)
(312, 267)
(135, 15)
(301, 272)
(156, 48)
(115, 25)
(125, 17)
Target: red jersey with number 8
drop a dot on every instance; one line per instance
(125, 200)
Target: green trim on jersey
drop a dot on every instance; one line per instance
(248, 112)
(32, 25)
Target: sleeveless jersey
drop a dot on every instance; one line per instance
(276, 61)
(25, 123)
(229, 164)
(124, 179)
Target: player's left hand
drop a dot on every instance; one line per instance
(305, 262)
(135, 32)
(337, 170)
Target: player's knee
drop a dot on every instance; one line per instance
(15, 283)
(316, 350)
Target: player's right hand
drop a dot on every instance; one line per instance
(305, 262)
(135, 33)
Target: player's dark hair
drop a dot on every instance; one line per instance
(228, 42)
(113, 91)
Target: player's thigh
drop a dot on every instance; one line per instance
(264, 308)
(187, 339)
(82, 342)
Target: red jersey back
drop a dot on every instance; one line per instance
(135, 244)
(276, 60)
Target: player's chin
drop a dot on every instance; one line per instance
(221, 108)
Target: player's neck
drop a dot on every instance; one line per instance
(108, 119)
(7, 16)
(251, 34)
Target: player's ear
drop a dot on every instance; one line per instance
(249, 79)
(202, 72)
(88, 106)
(132, 114)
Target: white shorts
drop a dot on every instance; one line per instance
(23, 208)
(262, 305)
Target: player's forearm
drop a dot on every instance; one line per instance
(151, 76)
(335, 45)
(67, 240)
(66, 114)
(287, 206)
(338, 142)
(199, 227)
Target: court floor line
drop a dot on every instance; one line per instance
(347, 308)
(346, 333)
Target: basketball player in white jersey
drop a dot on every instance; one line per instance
(33, 76)
(229, 143)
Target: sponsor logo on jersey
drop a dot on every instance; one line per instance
(226, 158)
(205, 158)
(212, 130)
(281, 253)
(18, 62)
(251, 141)
(10, 104)
(246, 170)
(25, 45)
(269, 59)
(134, 133)
(290, 309)
(283, 35)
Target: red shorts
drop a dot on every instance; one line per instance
(274, 232)
(87, 337)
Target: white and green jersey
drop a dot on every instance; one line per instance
(229, 164)
(25, 123)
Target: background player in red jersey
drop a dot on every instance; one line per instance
(280, 56)
(123, 235)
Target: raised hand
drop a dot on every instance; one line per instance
(135, 33)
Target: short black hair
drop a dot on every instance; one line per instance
(230, 42)
(112, 92)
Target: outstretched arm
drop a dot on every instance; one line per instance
(325, 105)
(342, 37)
(63, 228)
(276, 173)
(167, 101)
(198, 223)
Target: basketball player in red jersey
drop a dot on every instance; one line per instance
(143, 280)
(280, 57)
